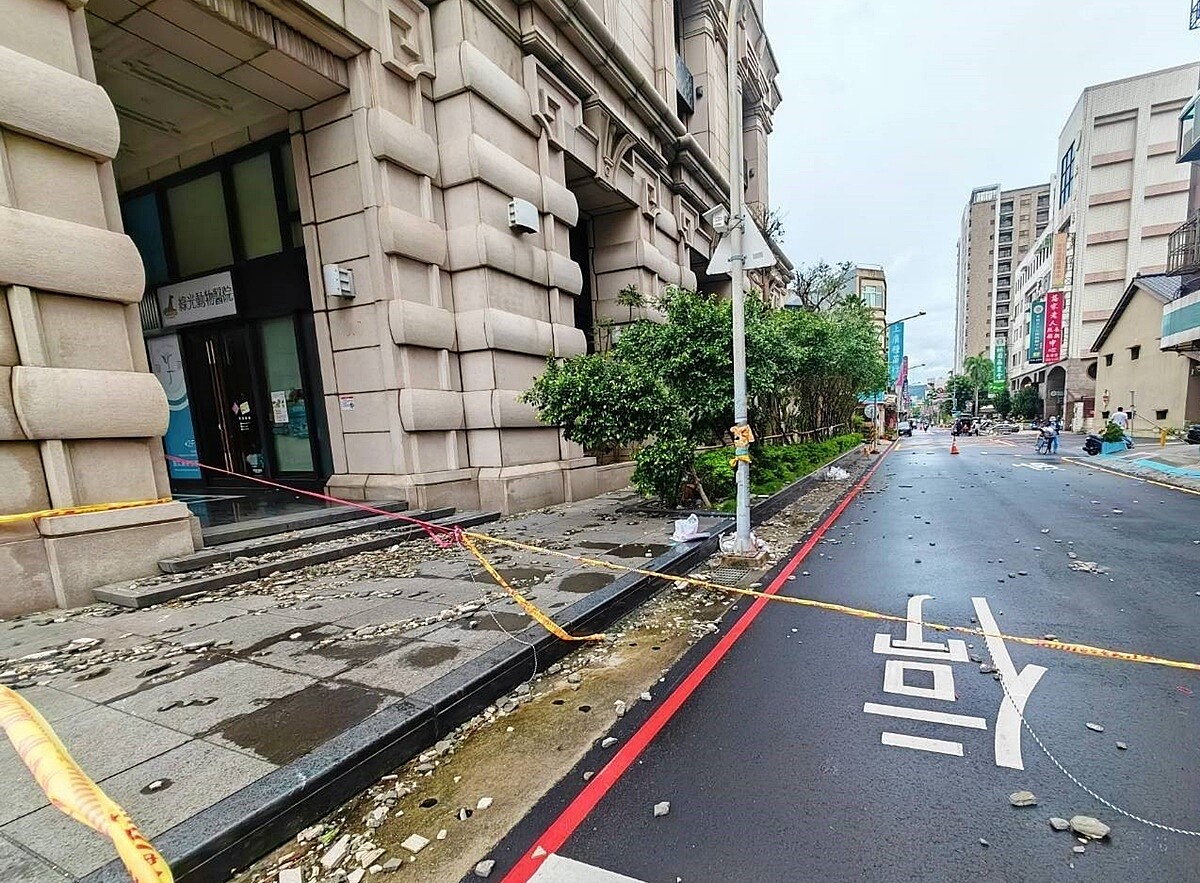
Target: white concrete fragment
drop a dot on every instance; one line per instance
(334, 855)
(661, 809)
(414, 843)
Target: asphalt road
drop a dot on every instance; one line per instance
(804, 753)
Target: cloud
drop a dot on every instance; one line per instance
(890, 118)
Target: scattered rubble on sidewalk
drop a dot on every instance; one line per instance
(516, 748)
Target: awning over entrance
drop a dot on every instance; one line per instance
(192, 79)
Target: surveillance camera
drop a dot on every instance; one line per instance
(718, 216)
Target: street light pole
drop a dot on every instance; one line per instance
(875, 397)
(742, 542)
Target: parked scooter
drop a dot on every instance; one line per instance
(1092, 444)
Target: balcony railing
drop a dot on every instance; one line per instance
(1183, 247)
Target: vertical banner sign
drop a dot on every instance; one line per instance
(1000, 361)
(1037, 330)
(1052, 345)
(1058, 257)
(895, 351)
(166, 361)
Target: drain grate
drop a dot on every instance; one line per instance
(732, 575)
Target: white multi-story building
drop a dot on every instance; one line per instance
(998, 229)
(1117, 195)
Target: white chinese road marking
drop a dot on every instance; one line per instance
(943, 680)
(919, 743)
(920, 714)
(1017, 688)
(557, 869)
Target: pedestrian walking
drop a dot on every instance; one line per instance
(1121, 419)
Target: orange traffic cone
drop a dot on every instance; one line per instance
(953, 445)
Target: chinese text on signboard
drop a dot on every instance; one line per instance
(1053, 335)
(209, 297)
(895, 351)
(1037, 330)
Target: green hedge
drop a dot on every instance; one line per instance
(774, 467)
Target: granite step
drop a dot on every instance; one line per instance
(281, 541)
(125, 594)
(220, 534)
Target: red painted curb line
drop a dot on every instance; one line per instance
(585, 801)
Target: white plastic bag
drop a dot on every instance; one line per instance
(834, 473)
(686, 529)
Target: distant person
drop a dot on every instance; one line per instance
(1121, 419)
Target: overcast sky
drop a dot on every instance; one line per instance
(893, 110)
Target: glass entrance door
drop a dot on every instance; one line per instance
(291, 442)
(228, 415)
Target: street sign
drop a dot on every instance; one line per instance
(754, 244)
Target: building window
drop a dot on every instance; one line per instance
(257, 210)
(1108, 359)
(1066, 175)
(1160, 414)
(873, 297)
(199, 226)
(1135, 352)
(144, 228)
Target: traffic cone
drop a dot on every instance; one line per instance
(953, 445)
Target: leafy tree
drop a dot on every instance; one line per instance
(668, 385)
(599, 402)
(631, 297)
(1004, 402)
(959, 390)
(1026, 403)
(979, 371)
(821, 286)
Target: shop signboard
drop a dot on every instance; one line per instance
(1037, 330)
(1053, 334)
(197, 300)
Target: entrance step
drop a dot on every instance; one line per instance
(293, 539)
(156, 591)
(221, 534)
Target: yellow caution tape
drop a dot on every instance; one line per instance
(80, 510)
(1065, 646)
(541, 618)
(69, 788)
(740, 458)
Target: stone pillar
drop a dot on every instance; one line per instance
(502, 122)
(80, 414)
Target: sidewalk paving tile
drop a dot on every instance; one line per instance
(124, 678)
(325, 610)
(21, 638)
(290, 727)
(238, 686)
(200, 774)
(250, 632)
(21, 866)
(484, 637)
(302, 656)
(394, 610)
(102, 740)
(411, 667)
(176, 622)
(54, 704)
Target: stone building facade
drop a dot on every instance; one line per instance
(345, 234)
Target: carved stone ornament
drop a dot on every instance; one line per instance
(555, 107)
(407, 39)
